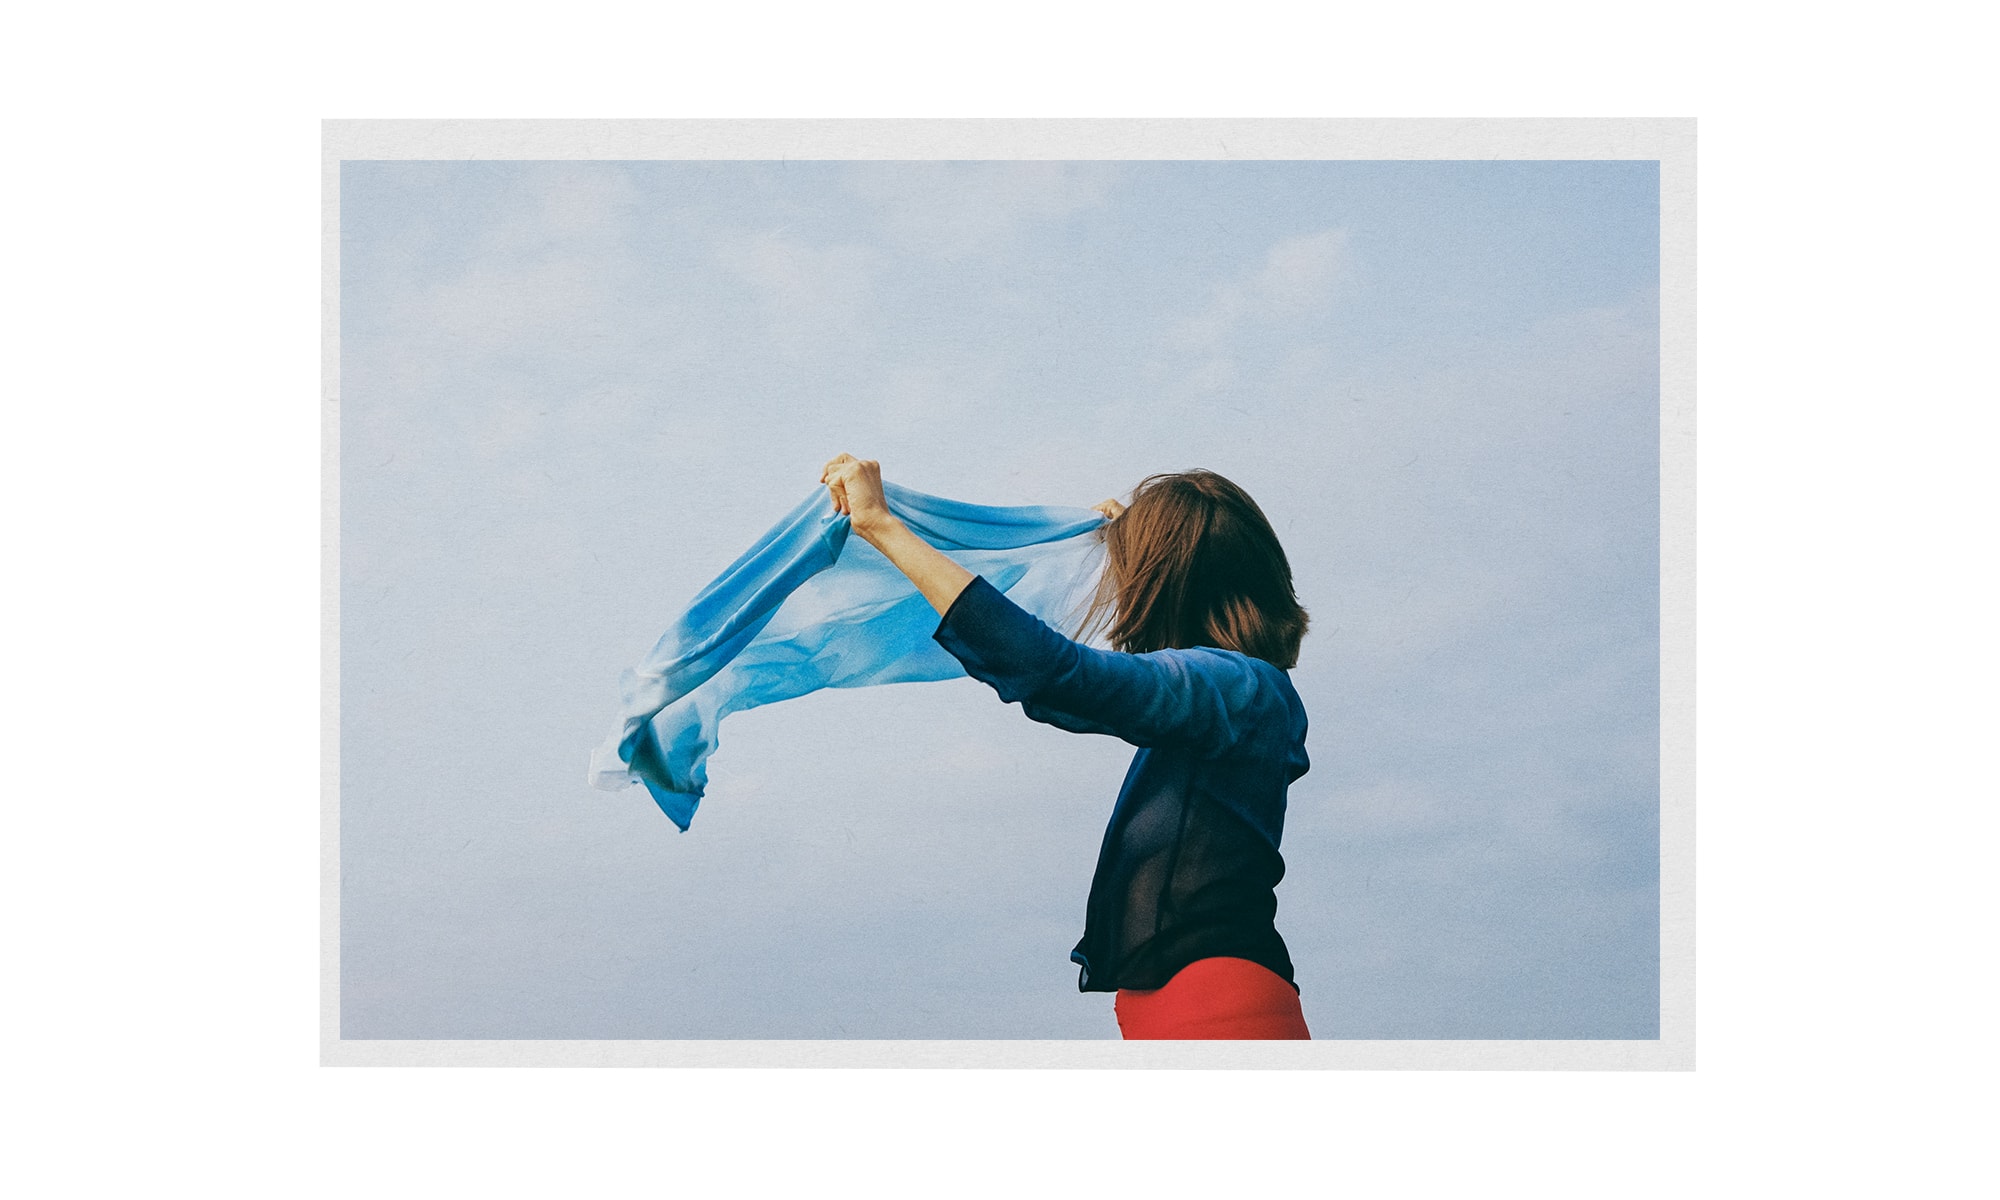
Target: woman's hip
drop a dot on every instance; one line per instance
(1214, 999)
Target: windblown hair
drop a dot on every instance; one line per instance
(1194, 562)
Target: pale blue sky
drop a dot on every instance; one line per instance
(571, 393)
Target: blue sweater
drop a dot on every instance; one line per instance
(1190, 861)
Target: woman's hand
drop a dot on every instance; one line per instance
(1111, 509)
(856, 486)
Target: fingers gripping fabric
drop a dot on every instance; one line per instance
(807, 608)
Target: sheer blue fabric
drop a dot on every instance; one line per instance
(809, 608)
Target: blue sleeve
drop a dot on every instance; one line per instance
(1206, 699)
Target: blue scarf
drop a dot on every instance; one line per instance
(805, 609)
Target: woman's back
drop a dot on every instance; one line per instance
(1190, 857)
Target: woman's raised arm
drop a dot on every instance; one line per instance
(856, 486)
(1206, 698)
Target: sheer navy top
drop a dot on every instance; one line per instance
(1190, 862)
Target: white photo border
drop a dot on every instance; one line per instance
(1668, 141)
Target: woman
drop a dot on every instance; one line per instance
(1198, 599)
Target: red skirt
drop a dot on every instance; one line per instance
(1214, 999)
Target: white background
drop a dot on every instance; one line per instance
(161, 479)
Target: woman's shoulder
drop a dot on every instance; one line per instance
(1249, 685)
(1216, 660)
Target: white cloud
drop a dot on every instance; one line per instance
(545, 263)
(809, 293)
(560, 205)
(574, 203)
(1296, 277)
(959, 210)
(1299, 272)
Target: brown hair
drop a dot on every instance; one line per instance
(1194, 562)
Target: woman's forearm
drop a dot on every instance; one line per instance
(937, 577)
